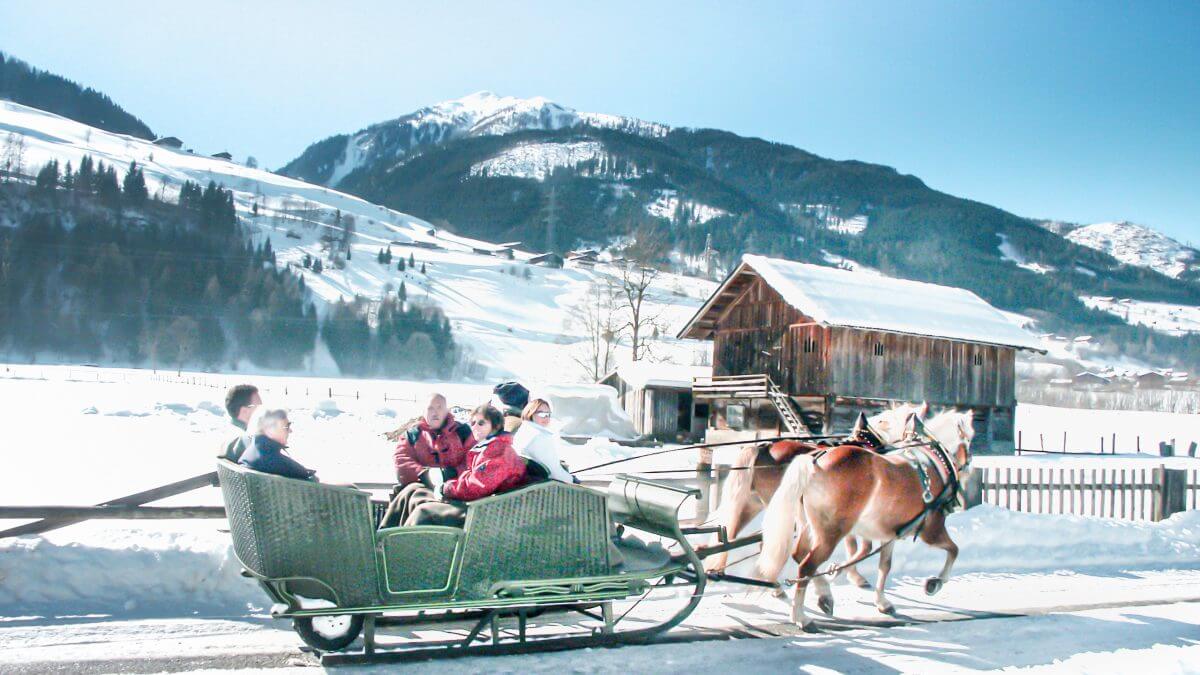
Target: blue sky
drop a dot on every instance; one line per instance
(1081, 111)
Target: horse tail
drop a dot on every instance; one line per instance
(735, 495)
(780, 519)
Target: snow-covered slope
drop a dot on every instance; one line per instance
(1138, 245)
(479, 114)
(515, 319)
(1161, 316)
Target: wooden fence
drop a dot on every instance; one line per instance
(1126, 494)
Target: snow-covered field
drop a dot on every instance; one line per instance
(1161, 316)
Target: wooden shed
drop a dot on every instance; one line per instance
(801, 348)
(658, 398)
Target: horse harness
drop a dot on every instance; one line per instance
(927, 457)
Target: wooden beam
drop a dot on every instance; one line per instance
(113, 512)
(138, 498)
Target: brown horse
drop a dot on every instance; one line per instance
(850, 490)
(748, 490)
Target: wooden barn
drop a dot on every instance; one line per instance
(658, 398)
(801, 348)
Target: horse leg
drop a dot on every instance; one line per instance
(935, 535)
(852, 573)
(809, 563)
(885, 567)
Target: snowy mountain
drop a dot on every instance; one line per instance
(480, 114)
(1140, 246)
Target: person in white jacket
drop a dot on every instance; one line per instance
(537, 441)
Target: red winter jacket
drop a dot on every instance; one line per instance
(492, 467)
(422, 447)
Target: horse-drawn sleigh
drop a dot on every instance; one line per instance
(547, 547)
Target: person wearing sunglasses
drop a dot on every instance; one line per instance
(539, 444)
(272, 429)
(492, 467)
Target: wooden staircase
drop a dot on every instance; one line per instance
(751, 386)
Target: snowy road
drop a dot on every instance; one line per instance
(1092, 623)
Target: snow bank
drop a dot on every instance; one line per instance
(148, 571)
(138, 571)
(588, 410)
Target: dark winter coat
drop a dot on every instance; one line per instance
(492, 467)
(235, 446)
(422, 447)
(267, 455)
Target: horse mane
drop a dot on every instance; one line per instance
(944, 427)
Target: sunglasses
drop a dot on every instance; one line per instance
(542, 415)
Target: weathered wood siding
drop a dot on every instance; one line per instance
(763, 334)
(760, 333)
(875, 364)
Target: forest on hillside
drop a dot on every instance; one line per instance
(95, 268)
(24, 84)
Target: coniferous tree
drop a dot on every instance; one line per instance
(134, 185)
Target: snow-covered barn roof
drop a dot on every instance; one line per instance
(838, 297)
(643, 374)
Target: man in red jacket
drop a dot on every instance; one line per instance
(492, 467)
(435, 443)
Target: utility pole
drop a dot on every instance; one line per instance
(710, 257)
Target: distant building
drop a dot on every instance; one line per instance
(586, 259)
(1151, 379)
(553, 260)
(224, 155)
(169, 142)
(658, 398)
(1089, 380)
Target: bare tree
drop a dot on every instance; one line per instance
(637, 322)
(14, 157)
(596, 315)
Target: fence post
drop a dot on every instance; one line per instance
(1170, 493)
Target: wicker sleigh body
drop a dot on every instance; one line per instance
(316, 552)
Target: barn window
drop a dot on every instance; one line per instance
(977, 359)
(878, 350)
(810, 345)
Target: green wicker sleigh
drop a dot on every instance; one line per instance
(315, 551)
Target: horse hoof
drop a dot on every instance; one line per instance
(779, 593)
(886, 609)
(809, 627)
(933, 585)
(861, 582)
(825, 604)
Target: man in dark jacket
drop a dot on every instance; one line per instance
(436, 442)
(240, 402)
(272, 430)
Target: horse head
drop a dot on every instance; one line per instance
(894, 425)
(954, 431)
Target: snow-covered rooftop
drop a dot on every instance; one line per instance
(642, 374)
(838, 297)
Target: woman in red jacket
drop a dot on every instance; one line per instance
(492, 467)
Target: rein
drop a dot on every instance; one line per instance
(707, 445)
